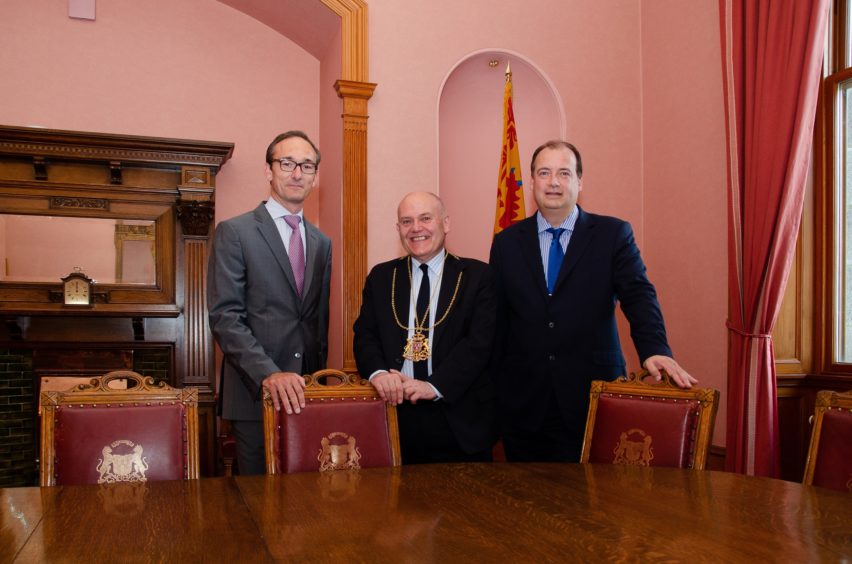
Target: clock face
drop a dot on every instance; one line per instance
(76, 292)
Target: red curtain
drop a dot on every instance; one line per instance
(771, 59)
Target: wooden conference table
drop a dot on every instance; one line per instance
(438, 513)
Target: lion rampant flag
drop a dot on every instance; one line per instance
(510, 187)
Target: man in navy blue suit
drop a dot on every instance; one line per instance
(558, 275)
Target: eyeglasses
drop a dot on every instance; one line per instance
(289, 165)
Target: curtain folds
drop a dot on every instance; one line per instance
(771, 59)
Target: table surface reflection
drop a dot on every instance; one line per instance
(433, 513)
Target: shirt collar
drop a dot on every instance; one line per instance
(567, 225)
(435, 263)
(276, 210)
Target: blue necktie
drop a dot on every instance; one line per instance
(554, 258)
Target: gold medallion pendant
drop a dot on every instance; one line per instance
(416, 347)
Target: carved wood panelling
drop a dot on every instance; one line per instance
(171, 183)
(197, 368)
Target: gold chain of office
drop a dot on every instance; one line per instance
(417, 346)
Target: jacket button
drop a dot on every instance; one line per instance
(551, 324)
(551, 357)
(398, 361)
(298, 355)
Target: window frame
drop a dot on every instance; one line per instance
(836, 70)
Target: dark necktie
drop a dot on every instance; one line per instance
(554, 258)
(421, 369)
(296, 251)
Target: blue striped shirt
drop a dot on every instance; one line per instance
(544, 237)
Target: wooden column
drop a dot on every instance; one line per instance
(355, 96)
(195, 213)
(355, 92)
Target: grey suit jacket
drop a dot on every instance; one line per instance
(258, 319)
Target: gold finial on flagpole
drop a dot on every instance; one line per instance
(508, 70)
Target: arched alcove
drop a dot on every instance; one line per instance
(470, 126)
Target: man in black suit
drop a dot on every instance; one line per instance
(268, 285)
(424, 338)
(558, 275)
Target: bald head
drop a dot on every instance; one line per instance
(422, 224)
(424, 199)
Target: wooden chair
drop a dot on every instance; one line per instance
(829, 462)
(344, 425)
(649, 424)
(95, 434)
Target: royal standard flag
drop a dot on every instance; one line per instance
(510, 187)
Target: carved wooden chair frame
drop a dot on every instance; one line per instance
(327, 386)
(826, 400)
(636, 386)
(99, 393)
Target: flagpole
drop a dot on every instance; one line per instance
(510, 191)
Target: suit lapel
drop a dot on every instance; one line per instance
(531, 252)
(311, 251)
(580, 239)
(269, 232)
(452, 268)
(402, 294)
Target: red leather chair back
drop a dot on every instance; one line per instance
(344, 425)
(109, 444)
(334, 435)
(98, 434)
(834, 464)
(634, 422)
(644, 432)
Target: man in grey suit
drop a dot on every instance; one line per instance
(268, 288)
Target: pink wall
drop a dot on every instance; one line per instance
(685, 225)
(331, 190)
(591, 54)
(193, 69)
(470, 132)
(641, 87)
(639, 82)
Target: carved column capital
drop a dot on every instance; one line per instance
(195, 217)
(355, 96)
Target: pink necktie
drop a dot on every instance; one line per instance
(296, 251)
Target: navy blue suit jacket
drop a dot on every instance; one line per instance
(556, 345)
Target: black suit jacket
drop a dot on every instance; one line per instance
(556, 345)
(461, 344)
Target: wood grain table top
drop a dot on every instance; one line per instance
(434, 513)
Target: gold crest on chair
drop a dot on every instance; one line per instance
(100, 433)
(119, 465)
(634, 449)
(337, 455)
(345, 425)
(637, 423)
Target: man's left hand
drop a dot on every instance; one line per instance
(417, 390)
(681, 377)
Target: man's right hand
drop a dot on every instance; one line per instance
(389, 386)
(287, 389)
